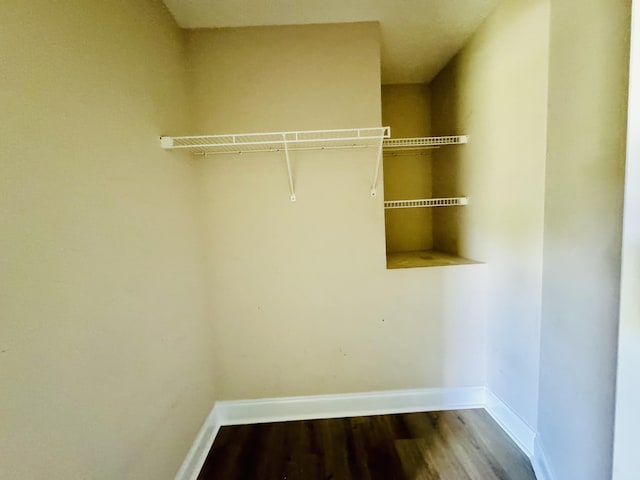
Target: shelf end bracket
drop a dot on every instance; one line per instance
(166, 142)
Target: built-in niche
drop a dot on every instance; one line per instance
(419, 195)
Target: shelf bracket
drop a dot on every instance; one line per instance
(377, 172)
(286, 157)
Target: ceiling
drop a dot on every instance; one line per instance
(419, 37)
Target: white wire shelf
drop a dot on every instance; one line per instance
(278, 141)
(426, 202)
(284, 142)
(419, 143)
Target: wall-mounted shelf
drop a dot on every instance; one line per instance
(426, 202)
(419, 143)
(284, 142)
(425, 258)
(278, 141)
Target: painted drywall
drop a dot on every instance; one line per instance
(495, 91)
(419, 36)
(302, 302)
(407, 110)
(588, 71)
(627, 415)
(105, 361)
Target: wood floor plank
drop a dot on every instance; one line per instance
(479, 463)
(498, 446)
(414, 465)
(382, 459)
(438, 453)
(438, 446)
(335, 449)
(304, 462)
(275, 441)
(250, 461)
(225, 453)
(358, 460)
(453, 445)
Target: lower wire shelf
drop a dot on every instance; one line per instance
(426, 202)
(425, 258)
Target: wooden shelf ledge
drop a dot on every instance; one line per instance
(425, 258)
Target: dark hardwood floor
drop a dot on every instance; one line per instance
(455, 445)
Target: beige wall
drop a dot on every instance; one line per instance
(302, 301)
(285, 78)
(495, 91)
(105, 356)
(407, 175)
(582, 241)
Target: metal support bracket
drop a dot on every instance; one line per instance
(286, 156)
(377, 172)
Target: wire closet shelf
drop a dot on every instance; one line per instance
(284, 142)
(426, 202)
(420, 143)
(278, 141)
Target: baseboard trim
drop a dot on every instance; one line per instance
(348, 405)
(198, 452)
(540, 463)
(519, 430)
(243, 412)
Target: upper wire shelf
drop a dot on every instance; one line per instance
(426, 202)
(278, 141)
(285, 142)
(418, 143)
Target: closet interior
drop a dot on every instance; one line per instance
(159, 245)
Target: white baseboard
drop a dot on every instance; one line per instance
(540, 463)
(198, 452)
(348, 405)
(242, 412)
(519, 430)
